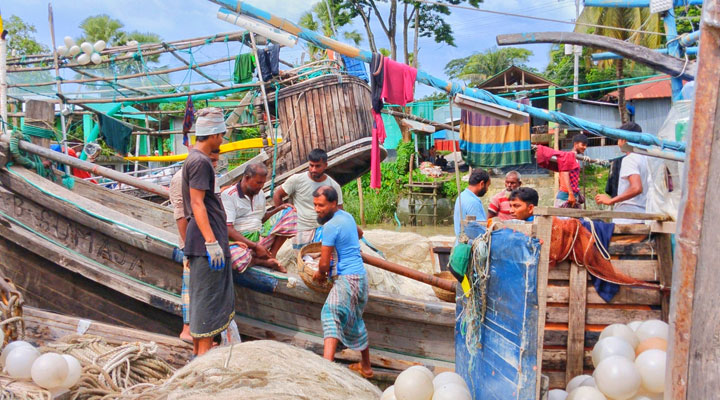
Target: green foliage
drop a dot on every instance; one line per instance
(478, 67)
(687, 19)
(103, 27)
(21, 37)
(593, 179)
(318, 19)
(440, 97)
(404, 151)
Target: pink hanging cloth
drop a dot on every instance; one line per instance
(398, 83)
(378, 138)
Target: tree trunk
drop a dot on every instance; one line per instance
(406, 24)
(416, 37)
(392, 29)
(366, 22)
(622, 109)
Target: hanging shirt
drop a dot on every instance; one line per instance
(243, 213)
(398, 82)
(471, 206)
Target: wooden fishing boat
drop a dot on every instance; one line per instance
(94, 253)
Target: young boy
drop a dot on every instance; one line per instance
(523, 201)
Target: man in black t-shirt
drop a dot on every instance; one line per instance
(212, 295)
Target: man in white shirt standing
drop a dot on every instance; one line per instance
(300, 188)
(258, 234)
(633, 182)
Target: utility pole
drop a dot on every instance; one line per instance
(576, 65)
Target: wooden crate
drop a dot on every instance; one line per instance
(575, 314)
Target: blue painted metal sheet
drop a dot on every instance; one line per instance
(504, 365)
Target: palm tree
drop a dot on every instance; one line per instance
(101, 27)
(628, 18)
(318, 20)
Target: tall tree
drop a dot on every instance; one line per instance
(427, 20)
(478, 67)
(319, 19)
(628, 18)
(102, 27)
(21, 37)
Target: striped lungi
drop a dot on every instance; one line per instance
(303, 238)
(283, 223)
(185, 292)
(342, 313)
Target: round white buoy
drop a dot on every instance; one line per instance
(611, 346)
(95, 58)
(617, 377)
(69, 42)
(49, 370)
(18, 363)
(74, 371)
(622, 331)
(588, 382)
(10, 347)
(634, 325)
(413, 384)
(389, 394)
(586, 393)
(99, 45)
(74, 50)
(651, 365)
(425, 370)
(62, 51)
(575, 382)
(83, 59)
(557, 394)
(642, 395)
(132, 43)
(451, 391)
(449, 377)
(653, 328)
(86, 47)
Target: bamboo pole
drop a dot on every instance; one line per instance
(123, 77)
(195, 68)
(161, 96)
(242, 7)
(3, 82)
(81, 72)
(63, 145)
(90, 167)
(125, 49)
(360, 197)
(262, 84)
(177, 132)
(409, 272)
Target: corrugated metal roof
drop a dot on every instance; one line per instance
(653, 88)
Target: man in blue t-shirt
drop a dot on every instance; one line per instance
(469, 199)
(342, 313)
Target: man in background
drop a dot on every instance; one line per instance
(569, 194)
(468, 203)
(500, 203)
(523, 201)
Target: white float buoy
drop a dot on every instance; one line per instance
(642, 395)
(557, 394)
(651, 366)
(589, 382)
(622, 331)
(449, 377)
(74, 371)
(389, 394)
(611, 346)
(652, 328)
(10, 347)
(413, 384)
(87, 48)
(83, 59)
(61, 51)
(634, 325)
(18, 363)
(575, 382)
(49, 370)
(586, 393)
(617, 378)
(99, 45)
(95, 58)
(424, 369)
(451, 391)
(74, 50)
(69, 42)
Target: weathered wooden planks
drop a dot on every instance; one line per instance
(576, 321)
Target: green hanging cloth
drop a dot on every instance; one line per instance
(244, 68)
(115, 133)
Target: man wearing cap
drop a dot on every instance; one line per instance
(212, 296)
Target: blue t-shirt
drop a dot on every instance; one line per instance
(341, 232)
(471, 205)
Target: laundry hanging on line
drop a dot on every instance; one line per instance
(398, 82)
(269, 60)
(188, 120)
(115, 133)
(244, 68)
(355, 67)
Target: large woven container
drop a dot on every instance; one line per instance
(306, 271)
(442, 294)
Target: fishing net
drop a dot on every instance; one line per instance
(407, 249)
(262, 369)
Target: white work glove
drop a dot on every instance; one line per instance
(215, 255)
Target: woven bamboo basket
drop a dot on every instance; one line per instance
(442, 294)
(306, 271)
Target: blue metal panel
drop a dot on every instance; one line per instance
(504, 366)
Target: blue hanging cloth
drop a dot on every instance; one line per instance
(355, 67)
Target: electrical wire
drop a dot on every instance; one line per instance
(539, 18)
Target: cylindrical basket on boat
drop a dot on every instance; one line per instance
(442, 294)
(306, 271)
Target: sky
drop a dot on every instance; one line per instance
(474, 31)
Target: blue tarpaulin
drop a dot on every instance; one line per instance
(504, 365)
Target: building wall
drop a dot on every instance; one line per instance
(651, 113)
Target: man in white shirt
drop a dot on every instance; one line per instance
(258, 234)
(633, 182)
(300, 188)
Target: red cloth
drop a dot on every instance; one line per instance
(398, 82)
(565, 159)
(378, 138)
(446, 145)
